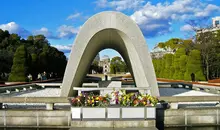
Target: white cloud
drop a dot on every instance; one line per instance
(186, 28)
(63, 31)
(77, 16)
(44, 31)
(155, 19)
(208, 10)
(101, 3)
(63, 48)
(67, 31)
(120, 5)
(74, 16)
(12, 27)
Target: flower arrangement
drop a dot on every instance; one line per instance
(133, 99)
(90, 100)
(116, 97)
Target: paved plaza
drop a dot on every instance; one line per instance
(55, 92)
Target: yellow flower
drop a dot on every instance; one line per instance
(97, 98)
(92, 101)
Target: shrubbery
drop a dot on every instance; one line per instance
(19, 67)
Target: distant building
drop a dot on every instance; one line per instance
(105, 63)
(216, 22)
(215, 26)
(158, 52)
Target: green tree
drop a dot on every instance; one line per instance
(194, 65)
(40, 55)
(168, 65)
(208, 44)
(117, 65)
(162, 68)
(176, 63)
(6, 58)
(157, 66)
(182, 66)
(19, 67)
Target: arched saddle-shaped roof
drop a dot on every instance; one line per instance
(109, 30)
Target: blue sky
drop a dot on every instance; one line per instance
(60, 20)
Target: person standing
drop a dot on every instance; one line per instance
(44, 76)
(106, 76)
(193, 77)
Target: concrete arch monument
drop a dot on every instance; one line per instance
(109, 30)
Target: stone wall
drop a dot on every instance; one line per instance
(192, 117)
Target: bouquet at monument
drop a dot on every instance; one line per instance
(90, 100)
(137, 99)
(116, 97)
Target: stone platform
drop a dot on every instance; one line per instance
(114, 124)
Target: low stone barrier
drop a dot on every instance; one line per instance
(34, 118)
(62, 118)
(188, 117)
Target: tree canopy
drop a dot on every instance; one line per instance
(20, 67)
(41, 56)
(117, 65)
(201, 57)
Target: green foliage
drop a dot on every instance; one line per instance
(162, 71)
(95, 66)
(182, 66)
(194, 66)
(40, 55)
(209, 45)
(168, 65)
(117, 65)
(185, 60)
(19, 68)
(206, 50)
(177, 73)
(6, 61)
(157, 66)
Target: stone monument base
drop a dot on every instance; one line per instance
(115, 124)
